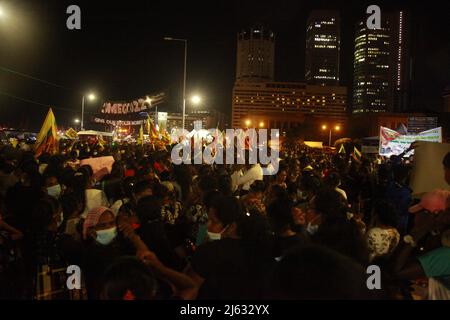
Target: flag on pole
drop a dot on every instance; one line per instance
(165, 136)
(46, 140)
(71, 133)
(141, 135)
(151, 129)
(342, 149)
(148, 125)
(357, 153)
(101, 142)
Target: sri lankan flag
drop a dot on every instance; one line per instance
(101, 142)
(165, 136)
(151, 129)
(46, 141)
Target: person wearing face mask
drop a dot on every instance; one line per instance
(52, 186)
(105, 240)
(236, 261)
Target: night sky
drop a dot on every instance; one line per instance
(120, 54)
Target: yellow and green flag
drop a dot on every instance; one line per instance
(46, 141)
(141, 135)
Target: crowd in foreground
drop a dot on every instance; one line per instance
(153, 230)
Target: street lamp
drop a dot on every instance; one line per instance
(261, 124)
(247, 122)
(149, 101)
(91, 97)
(184, 77)
(196, 99)
(336, 128)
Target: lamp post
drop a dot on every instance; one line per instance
(90, 97)
(149, 101)
(76, 121)
(184, 76)
(336, 128)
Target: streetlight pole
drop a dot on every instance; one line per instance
(184, 83)
(82, 114)
(91, 97)
(184, 75)
(329, 139)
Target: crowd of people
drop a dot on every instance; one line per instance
(150, 229)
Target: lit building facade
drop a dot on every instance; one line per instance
(400, 60)
(255, 55)
(283, 105)
(209, 119)
(322, 48)
(372, 78)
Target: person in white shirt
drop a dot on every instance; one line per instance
(93, 197)
(334, 181)
(237, 173)
(251, 174)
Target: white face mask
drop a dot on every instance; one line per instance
(54, 191)
(105, 237)
(312, 229)
(216, 236)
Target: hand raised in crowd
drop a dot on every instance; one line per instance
(126, 229)
(150, 259)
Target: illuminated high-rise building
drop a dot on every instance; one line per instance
(322, 47)
(255, 55)
(372, 75)
(382, 60)
(400, 60)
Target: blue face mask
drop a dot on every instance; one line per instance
(106, 236)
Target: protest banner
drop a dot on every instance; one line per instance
(394, 143)
(101, 166)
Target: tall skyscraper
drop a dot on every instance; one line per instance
(382, 72)
(255, 55)
(400, 60)
(372, 75)
(322, 47)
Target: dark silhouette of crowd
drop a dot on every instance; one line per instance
(150, 229)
